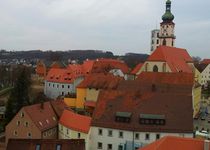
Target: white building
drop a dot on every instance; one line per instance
(61, 82)
(205, 75)
(155, 41)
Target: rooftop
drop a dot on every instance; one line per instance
(176, 143)
(176, 58)
(75, 121)
(42, 115)
(163, 101)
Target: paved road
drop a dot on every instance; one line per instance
(203, 124)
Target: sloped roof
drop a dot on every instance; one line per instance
(176, 58)
(180, 78)
(100, 81)
(105, 65)
(205, 61)
(43, 116)
(201, 66)
(46, 144)
(75, 121)
(137, 68)
(137, 97)
(176, 143)
(58, 107)
(61, 75)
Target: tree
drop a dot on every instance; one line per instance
(19, 95)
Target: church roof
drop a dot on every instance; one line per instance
(176, 58)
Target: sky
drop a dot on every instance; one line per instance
(120, 26)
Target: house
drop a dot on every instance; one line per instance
(74, 126)
(204, 69)
(178, 143)
(46, 144)
(180, 78)
(37, 121)
(116, 67)
(61, 82)
(42, 67)
(137, 69)
(138, 113)
(89, 89)
(168, 59)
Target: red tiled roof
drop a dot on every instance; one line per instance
(75, 121)
(137, 68)
(205, 61)
(176, 58)
(105, 65)
(61, 75)
(100, 81)
(43, 116)
(90, 103)
(176, 143)
(58, 106)
(173, 101)
(180, 78)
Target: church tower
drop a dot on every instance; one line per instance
(166, 35)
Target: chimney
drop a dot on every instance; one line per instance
(206, 145)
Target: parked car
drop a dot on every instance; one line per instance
(202, 134)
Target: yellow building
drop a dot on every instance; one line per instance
(196, 99)
(89, 89)
(74, 126)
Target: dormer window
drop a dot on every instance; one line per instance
(151, 119)
(124, 117)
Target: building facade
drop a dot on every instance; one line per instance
(116, 139)
(37, 121)
(155, 41)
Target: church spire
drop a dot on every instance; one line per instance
(168, 16)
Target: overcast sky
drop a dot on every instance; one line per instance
(119, 26)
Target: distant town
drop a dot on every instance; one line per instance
(95, 100)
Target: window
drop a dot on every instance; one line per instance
(57, 85)
(18, 123)
(137, 136)
(67, 131)
(62, 86)
(62, 93)
(68, 86)
(120, 134)
(147, 136)
(58, 147)
(53, 85)
(78, 135)
(109, 132)
(38, 146)
(157, 136)
(29, 134)
(157, 42)
(120, 147)
(100, 145)
(15, 133)
(109, 147)
(155, 68)
(61, 128)
(21, 114)
(26, 124)
(100, 132)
